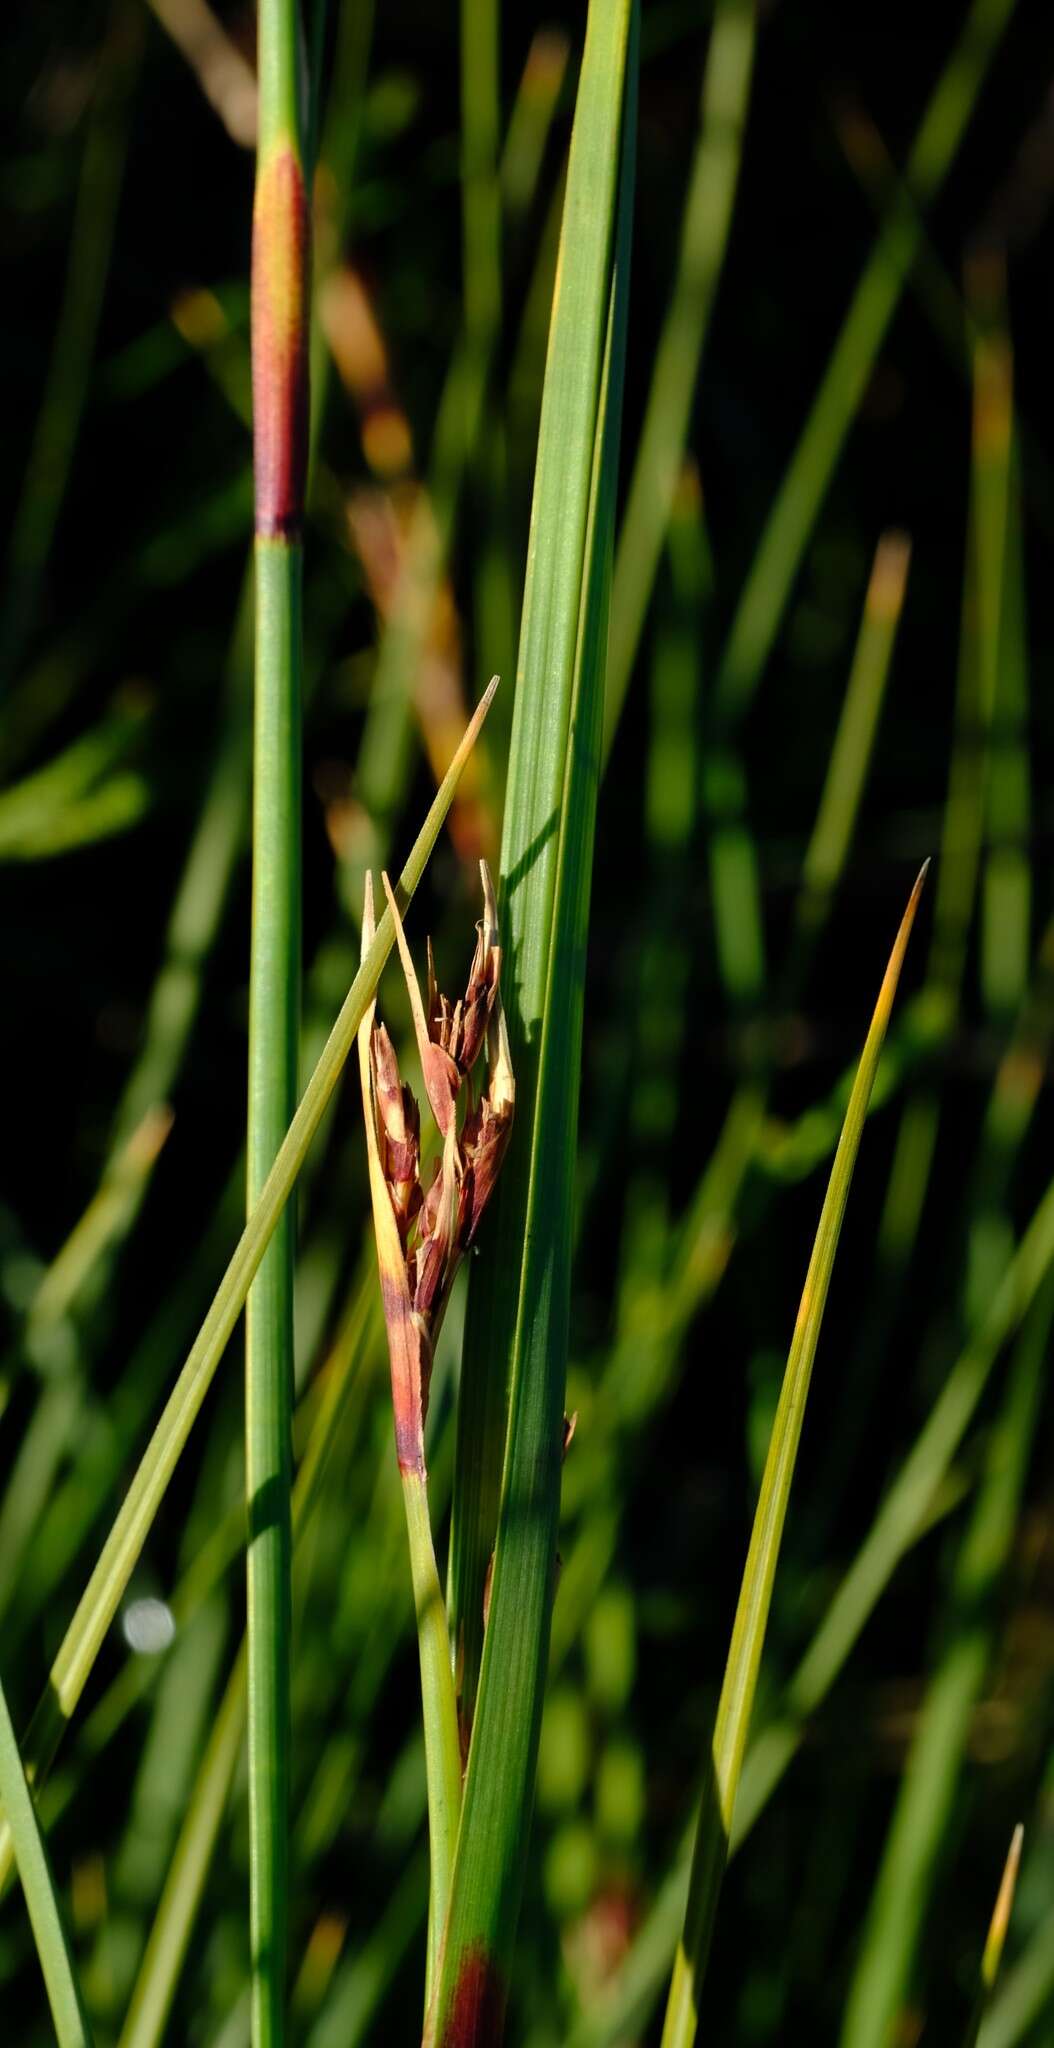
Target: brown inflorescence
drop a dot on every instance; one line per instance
(433, 1228)
(279, 346)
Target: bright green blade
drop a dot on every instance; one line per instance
(536, 799)
(732, 1724)
(518, 1308)
(34, 1868)
(100, 1600)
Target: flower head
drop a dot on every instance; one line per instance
(422, 1236)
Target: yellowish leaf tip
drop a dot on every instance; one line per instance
(1000, 1920)
(908, 918)
(919, 883)
(472, 729)
(896, 958)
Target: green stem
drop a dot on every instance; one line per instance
(280, 319)
(274, 999)
(278, 72)
(439, 1707)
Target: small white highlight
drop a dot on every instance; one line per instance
(149, 1626)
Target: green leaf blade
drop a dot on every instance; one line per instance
(520, 1296)
(732, 1724)
(49, 1933)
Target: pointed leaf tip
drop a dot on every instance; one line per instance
(490, 901)
(913, 899)
(900, 943)
(474, 726)
(1000, 1921)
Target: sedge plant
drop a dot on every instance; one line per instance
(328, 1741)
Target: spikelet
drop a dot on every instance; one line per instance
(423, 1236)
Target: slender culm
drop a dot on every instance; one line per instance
(279, 365)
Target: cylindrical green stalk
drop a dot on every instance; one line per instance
(439, 1708)
(273, 1021)
(279, 348)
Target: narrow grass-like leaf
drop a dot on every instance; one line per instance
(98, 1605)
(1024, 1994)
(909, 1509)
(45, 1913)
(519, 1299)
(536, 797)
(905, 1511)
(920, 1824)
(735, 1705)
(994, 1945)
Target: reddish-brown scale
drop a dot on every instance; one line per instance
(279, 346)
(399, 1132)
(431, 1266)
(411, 1365)
(442, 1081)
(483, 1142)
(477, 2014)
(465, 1198)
